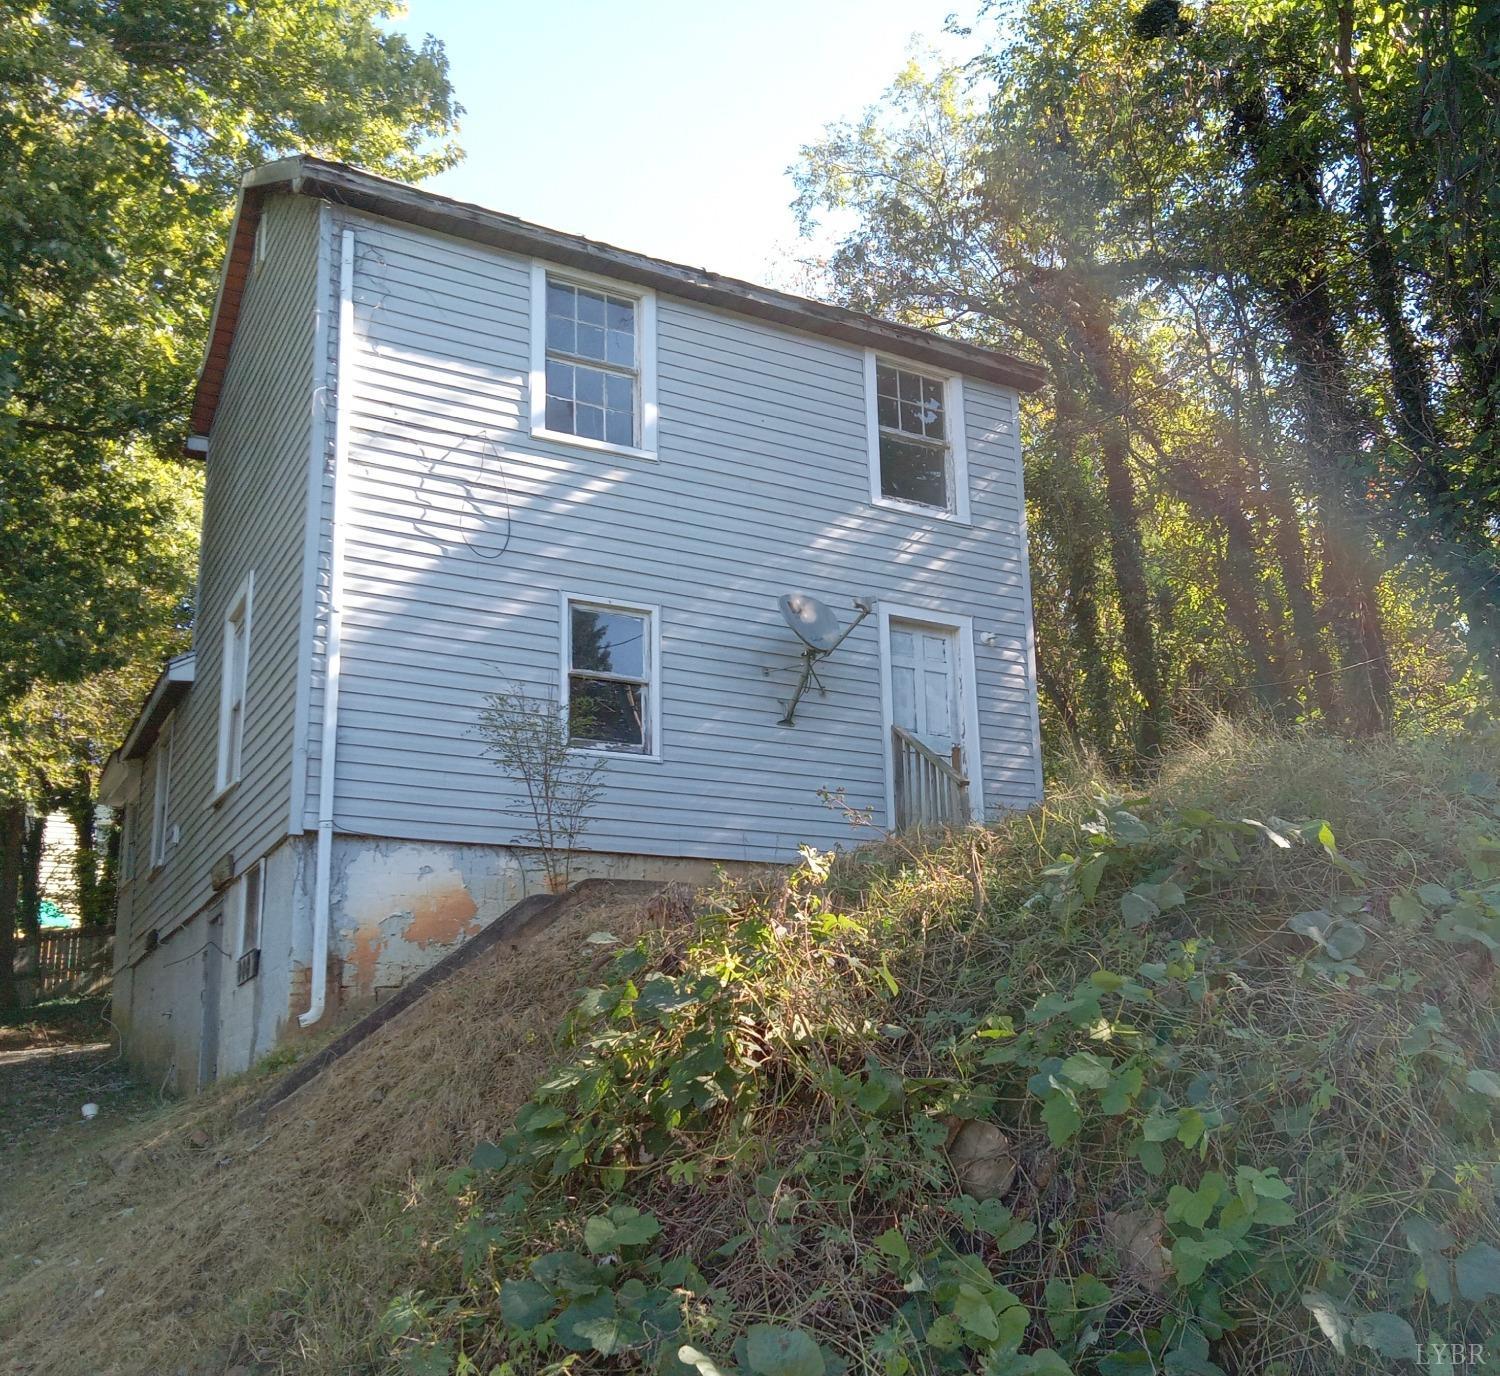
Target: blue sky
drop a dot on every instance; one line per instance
(665, 126)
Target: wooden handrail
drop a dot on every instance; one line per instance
(929, 789)
(930, 755)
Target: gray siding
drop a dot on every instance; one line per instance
(463, 529)
(254, 518)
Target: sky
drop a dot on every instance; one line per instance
(665, 126)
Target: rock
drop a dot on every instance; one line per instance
(1134, 1235)
(198, 1139)
(981, 1155)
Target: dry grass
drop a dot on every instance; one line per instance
(206, 1246)
(781, 1192)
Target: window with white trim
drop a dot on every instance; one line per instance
(916, 439)
(234, 670)
(610, 676)
(593, 362)
(251, 905)
(161, 798)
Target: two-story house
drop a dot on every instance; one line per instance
(449, 451)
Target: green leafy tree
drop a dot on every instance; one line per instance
(124, 129)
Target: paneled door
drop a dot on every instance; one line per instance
(927, 757)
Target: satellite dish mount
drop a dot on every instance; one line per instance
(818, 629)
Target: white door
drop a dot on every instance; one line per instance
(924, 701)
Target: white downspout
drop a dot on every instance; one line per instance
(322, 915)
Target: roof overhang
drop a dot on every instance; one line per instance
(170, 688)
(117, 780)
(345, 185)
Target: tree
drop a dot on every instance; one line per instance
(1265, 472)
(124, 128)
(530, 738)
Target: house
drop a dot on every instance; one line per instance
(448, 451)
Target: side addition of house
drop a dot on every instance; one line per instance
(449, 452)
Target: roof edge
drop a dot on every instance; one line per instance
(342, 184)
(170, 688)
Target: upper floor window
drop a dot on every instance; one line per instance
(234, 680)
(161, 798)
(593, 376)
(610, 676)
(917, 458)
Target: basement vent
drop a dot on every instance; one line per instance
(249, 966)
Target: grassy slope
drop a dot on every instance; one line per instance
(163, 1239)
(1238, 1147)
(777, 1089)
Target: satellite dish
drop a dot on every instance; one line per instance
(816, 626)
(813, 621)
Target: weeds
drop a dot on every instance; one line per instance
(1232, 1080)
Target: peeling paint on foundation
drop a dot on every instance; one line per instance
(398, 907)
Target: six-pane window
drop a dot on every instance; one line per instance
(911, 412)
(609, 677)
(592, 368)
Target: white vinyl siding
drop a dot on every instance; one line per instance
(467, 532)
(255, 515)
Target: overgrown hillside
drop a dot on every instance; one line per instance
(1124, 1085)
(1204, 1081)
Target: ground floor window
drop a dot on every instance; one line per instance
(609, 675)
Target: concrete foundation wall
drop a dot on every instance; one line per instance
(398, 907)
(182, 1013)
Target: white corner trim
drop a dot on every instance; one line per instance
(1032, 687)
(312, 517)
(645, 346)
(968, 698)
(958, 447)
(607, 602)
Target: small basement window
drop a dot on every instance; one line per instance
(611, 676)
(251, 905)
(916, 450)
(593, 363)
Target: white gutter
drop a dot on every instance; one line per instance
(322, 914)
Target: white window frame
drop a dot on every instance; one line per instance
(566, 600)
(241, 887)
(645, 353)
(954, 425)
(234, 675)
(128, 829)
(161, 794)
(968, 697)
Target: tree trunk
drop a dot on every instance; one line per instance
(1307, 624)
(1336, 428)
(79, 806)
(31, 876)
(12, 842)
(1079, 520)
(1091, 332)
